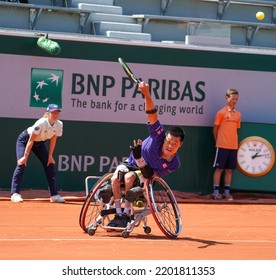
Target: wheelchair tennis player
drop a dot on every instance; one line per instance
(154, 156)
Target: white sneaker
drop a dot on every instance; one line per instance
(57, 198)
(16, 197)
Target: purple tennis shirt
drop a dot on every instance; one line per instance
(152, 150)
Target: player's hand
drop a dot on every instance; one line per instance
(136, 148)
(51, 160)
(22, 161)
(144, 88)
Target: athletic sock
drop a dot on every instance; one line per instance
(216, 189)
(127, 207)
(226, 189)
(117, 203)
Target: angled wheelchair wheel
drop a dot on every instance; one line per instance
(92, 206)
(164, 208)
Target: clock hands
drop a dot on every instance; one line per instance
(254, 156)
(259, 155)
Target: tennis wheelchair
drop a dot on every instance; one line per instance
(157, 200)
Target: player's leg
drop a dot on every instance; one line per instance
(117, 180)
(134, 188)
(132, 192)
(129, 180)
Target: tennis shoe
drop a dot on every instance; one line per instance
(120, 221)
(216, 197)
(16, 197)
(124, 220)
(228, 197)
(57, 199)
(115, 222)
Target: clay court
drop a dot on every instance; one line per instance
(36, 229)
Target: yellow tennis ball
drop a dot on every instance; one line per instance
(260, 15)
(138, 203)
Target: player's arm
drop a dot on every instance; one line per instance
(146, 170)
(149, 105)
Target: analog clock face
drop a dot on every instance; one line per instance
(255, 156)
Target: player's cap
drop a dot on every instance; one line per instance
(53, 107)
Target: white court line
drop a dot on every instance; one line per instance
(136, 240)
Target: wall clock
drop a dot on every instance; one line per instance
(256, 156)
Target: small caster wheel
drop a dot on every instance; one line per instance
(91, 231)
(147, 229)
(125, 234)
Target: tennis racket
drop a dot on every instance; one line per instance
(128, 71)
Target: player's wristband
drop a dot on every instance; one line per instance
(140, 162)
(152, 111)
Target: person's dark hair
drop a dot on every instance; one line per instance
(231, 91)
(176, 131)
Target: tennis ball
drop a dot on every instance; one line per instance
(260, 15)
(139, 203)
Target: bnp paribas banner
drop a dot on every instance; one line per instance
(91, 90)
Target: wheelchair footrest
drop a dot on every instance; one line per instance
(108, 211)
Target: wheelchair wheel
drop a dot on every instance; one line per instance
(164, 208)
(92, 206)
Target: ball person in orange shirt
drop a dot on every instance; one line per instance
(225, 131)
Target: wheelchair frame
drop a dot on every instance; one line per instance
(159, 201)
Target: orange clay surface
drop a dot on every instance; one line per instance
(40, 230)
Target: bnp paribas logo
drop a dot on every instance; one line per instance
(46, 87)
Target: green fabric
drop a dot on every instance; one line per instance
(48, 45)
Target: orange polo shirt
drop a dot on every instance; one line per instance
(228, 122)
